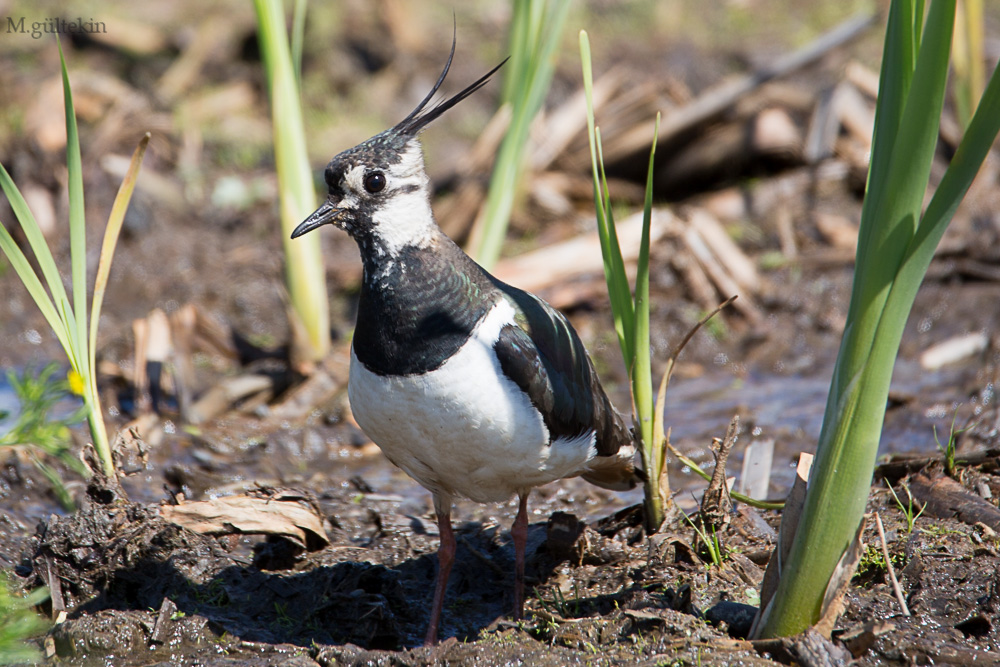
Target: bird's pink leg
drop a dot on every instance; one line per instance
(446, 558)
(519, 531)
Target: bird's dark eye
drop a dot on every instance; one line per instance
(375, 182)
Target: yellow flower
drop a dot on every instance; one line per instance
(75, 382)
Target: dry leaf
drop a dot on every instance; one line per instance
(277, 515)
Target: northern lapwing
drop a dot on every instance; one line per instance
(473, 387)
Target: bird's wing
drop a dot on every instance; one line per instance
(543, 355)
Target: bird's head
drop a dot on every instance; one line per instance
(378, 191)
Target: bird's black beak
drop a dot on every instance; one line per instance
(326, 213)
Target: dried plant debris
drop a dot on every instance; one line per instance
(280, 513)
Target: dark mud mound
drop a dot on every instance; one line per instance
(130, 580)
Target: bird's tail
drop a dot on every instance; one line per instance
(617, 472)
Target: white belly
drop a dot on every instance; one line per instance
(464, 428)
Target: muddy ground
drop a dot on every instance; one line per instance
(143, 591)
(137, 589)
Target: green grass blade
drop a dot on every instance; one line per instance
(547, 29)
(519, 41)
(18, 623)
(305, 275)
(33, 284)
(622, 303)
(894, 85)
(614, 267)
(501, 195)
(55, 481)
(890, 221)
(79, 355)
(976, 143)
(901, 190)
(46, 262)
(20, 262)
(918, 24)
(642, 375)
(68, 321)
(77, 227)
(536, 29)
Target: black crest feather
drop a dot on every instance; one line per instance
(419, 119)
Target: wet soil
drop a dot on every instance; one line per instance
(139, 590)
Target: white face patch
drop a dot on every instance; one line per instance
(354, 179)
(405, 217)
(402, 215)
(404, 220)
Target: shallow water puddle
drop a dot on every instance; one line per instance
(787, 409)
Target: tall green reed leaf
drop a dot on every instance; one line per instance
(896, 245)
(305, 275)
(536, 29)
(622, 308)
(631, 315)
(642, 368)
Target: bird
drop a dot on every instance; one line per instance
(473, 387)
